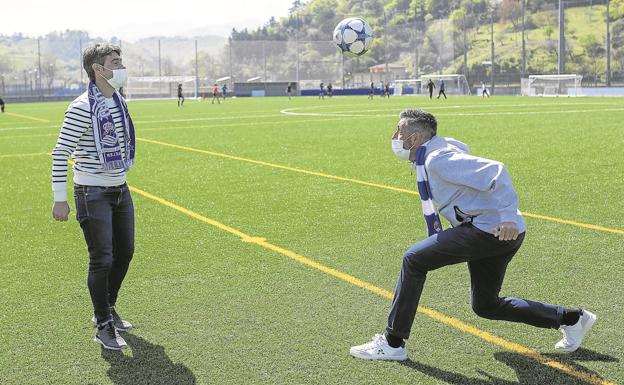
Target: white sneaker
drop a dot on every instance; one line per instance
(573, 334)
(378, 349)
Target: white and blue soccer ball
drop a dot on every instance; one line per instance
(353, 35)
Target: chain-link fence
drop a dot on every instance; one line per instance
(497, 46)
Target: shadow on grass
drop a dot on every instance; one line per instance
(148, 364)
(528, 371)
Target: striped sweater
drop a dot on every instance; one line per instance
(76, 140)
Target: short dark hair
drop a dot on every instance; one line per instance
(97, 54)
(420, 120)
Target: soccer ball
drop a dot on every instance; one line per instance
(353, 35)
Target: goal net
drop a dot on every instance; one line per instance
(407, 87)
(552, 85)
(454, 84)
(159, 87)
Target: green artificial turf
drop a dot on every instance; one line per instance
(210, 309)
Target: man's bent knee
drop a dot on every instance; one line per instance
(486, 309)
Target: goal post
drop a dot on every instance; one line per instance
(407, 87)
(552, 85)
(159, 87)
(454, 84)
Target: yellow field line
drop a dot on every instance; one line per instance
(299, 170)
(450, 321)
(27, 117)
(28, 154)
(574, 223)
(377, 185)
(245, 124)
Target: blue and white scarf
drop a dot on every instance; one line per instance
(430, 212)
(104, 133)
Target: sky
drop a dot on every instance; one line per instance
(133, 19)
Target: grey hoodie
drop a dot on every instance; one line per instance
(478, 187)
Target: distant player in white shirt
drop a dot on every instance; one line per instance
(484, 91)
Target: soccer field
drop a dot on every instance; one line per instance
(270, 234)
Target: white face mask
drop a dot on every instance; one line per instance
(397, 148)
(119, 77)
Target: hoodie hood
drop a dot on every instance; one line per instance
(443, 145)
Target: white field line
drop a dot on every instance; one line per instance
(501, 113)
(230, 117)
(368, 110)
(455, 106)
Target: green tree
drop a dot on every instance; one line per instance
(594, 52)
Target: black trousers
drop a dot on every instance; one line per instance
(487, 259)
(106, 216)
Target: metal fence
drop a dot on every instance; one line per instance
(472, 45)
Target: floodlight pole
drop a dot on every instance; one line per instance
(80, 66)
(343, 78)
(297, 51)
(440, 48)
(561, 68)
(231, 72)
(264, 79)
(196, 71)
(492, 78)
(465, 47)
(523, 68)
(416, 71)
(159, 70)
(608, 42)
(39, 70)
(386, 43)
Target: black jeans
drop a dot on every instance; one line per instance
(106, 216)
(487, 259)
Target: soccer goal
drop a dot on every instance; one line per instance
(454, 84)
(158, 87)
(407, 87)
(552, 85)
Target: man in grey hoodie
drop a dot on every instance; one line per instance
(478, 199)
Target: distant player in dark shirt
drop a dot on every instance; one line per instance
(223, 91)
(372, 91)
(441, 92)
(430, 87)
(1, 105)
(322, 93)
(330, 90)
(387, 90)
(180, 96)
(289, 90)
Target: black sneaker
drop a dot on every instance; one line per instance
(119, 324)
(107, 336)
